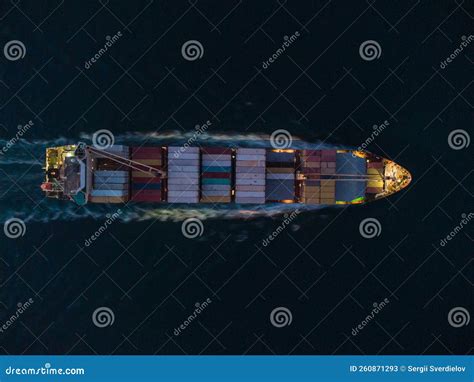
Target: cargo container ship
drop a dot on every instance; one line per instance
(173, 174)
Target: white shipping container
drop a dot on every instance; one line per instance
(250, 200)
(183, 175)
(110, 173)
(257, 182)
(281, 176)
(241, 175)
(182, 156)
(183, 181)
(112, 186)
(251, 151)
(111, 180)
(220, 163)
(183, 187)
(109, 192)
(182, 194)
(249, 194)
(215, 187)
(216, 193)
(244, 157)
(177, 199)
(250, 169)
(172, 168)
(184, 162)
(250, 188)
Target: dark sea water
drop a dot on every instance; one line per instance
(319, 268)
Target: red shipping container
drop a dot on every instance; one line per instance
(146, 192)
(216, 175)
(151, 155)
(375, 165)
(311, 152)
(312, 158)
(312, 170)
(146, 149)
(374, 190)
(145, 198)
(145, 180)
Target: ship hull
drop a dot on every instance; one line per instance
(190, 175)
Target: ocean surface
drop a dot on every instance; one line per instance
(307, 290)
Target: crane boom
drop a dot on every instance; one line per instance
(127, 162)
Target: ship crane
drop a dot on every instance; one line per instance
(83, 150)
